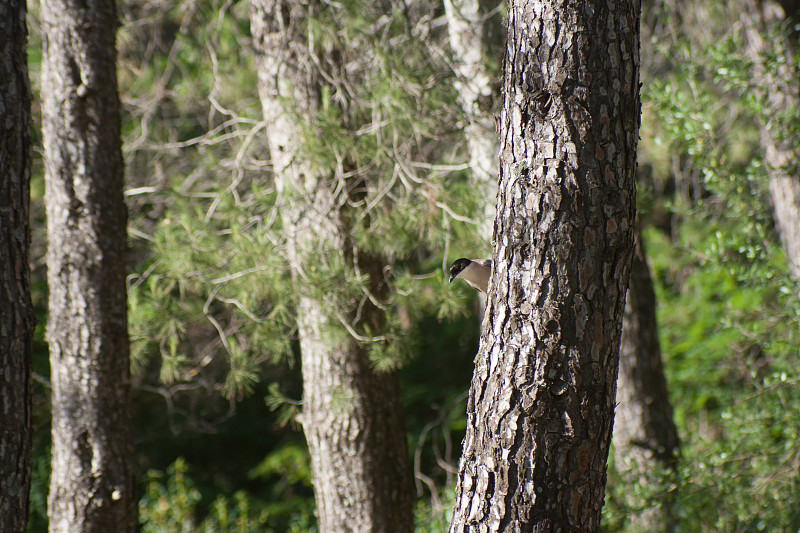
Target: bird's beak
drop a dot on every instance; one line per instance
(452, 277)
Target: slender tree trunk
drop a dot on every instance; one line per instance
(645, 437)
(541, 404)
(92, 485)
(778, 89)
(16, 310)
(352, 415)
(474, 86)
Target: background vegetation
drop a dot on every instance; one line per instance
(216, 381)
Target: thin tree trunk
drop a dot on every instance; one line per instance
(474, 86)
(541, 404)
(92, 485)
(645, 437)
(16, 310)
(352, 415)
(778, 89)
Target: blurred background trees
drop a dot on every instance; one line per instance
(215, 351)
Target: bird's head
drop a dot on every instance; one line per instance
(458, 266)
(476, 272)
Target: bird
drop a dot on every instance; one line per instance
(476, 272)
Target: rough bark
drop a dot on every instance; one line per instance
(16, 311)
(541, 404)
(474, 85)
(645, 437)
(352, 415)
(777, 87)
(92, 485)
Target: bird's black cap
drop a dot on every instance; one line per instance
(457, 266)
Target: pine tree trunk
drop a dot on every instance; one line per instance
(645, 437)
(92, 485)
(352, 415)
(777, 86)
(542, 398)
(16, 311)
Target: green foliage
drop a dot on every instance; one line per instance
(729, 311)
(212, 303)
(210, 292)
(215, 283)
(211, 316)
(212, 310)
(624, 499)
(288, 410)
(733, 384)
(291, 463)
(434, 516)
(383, 133)
(40, 477)
(170, 503)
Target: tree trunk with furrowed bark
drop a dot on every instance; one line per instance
(352, 414)
(541, 405)
(16, 310)
(93, 483)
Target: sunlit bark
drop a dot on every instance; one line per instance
(542, 399)
(92, 485)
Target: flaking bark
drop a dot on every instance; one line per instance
(92, 485)
(541, 404)
(16, 310)
(352, 415)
